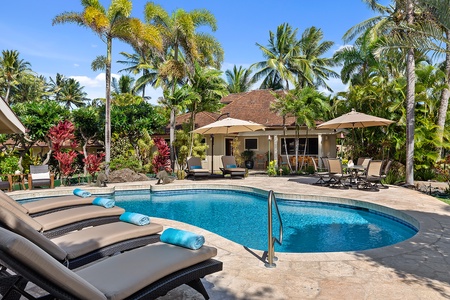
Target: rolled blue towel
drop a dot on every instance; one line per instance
(81, 193)
(105, 202)
(135, 218)
(182, 238)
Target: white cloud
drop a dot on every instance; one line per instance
(94, 87)
(76, 65)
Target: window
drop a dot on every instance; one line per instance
(312, 148)
(251, 144)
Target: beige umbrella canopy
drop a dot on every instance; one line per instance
(9, 123)
(226, 126)
(355, 119)
(229, 125)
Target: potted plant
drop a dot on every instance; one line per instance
(248, 156)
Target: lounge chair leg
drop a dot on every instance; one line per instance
(197, 285)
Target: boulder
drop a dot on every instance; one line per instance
(126, 175)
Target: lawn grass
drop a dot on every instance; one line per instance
(445, 200)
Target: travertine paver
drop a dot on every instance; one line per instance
(418, 268)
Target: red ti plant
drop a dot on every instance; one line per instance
(62, 134)
(65, 160)
(161, 161)
(93, 162)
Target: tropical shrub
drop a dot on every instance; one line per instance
(272, 168)
(121, 162)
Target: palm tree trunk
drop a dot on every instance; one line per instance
(444, 98)
(410, 102)
(108, 106)
(172, 137)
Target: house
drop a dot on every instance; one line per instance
(272, 142)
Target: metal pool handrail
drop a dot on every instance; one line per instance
(271, 251)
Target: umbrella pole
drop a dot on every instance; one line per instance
(212, 154)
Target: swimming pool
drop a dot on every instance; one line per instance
(242, 217)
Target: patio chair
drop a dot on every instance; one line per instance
(60, 222)
(337, 175)
(195, 169)
(6, 184)
(142, 273)
(40, 176)
(230, 168)
(321, 173)
(78, 248)
(260, 162)
(372, 176)
(384, 171)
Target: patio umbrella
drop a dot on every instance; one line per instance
(227, 126)
(353, 120)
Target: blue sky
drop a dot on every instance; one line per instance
(26, 26)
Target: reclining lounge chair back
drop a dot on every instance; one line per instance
(229, 167)
(143, 273)
(61, 222)
(84, 246)
(194, 165)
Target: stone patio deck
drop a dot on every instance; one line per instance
(418, 268)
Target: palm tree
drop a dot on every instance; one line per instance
(71, 94)
(312, 68)
(280, 55)
(210, 88)
(140, 64)
(11, 69)
(391, 29)
(239, 80)
(115, 22)
(183, 46)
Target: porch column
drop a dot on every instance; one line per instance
(320, 150)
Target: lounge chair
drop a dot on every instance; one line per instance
(40, 176)
(372, 176)
(78, 248)
(143, 273)
(195, 169)
(230, 167)
(63, 221)
(337, 175)
(47, 205)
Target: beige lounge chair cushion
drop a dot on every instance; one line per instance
(76, 214)
(45, 204)
(122, 275)
(24, 217)
(36, 259)
(10, 221)
(84, 241)
(11, 201)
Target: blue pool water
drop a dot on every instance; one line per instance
(242, 218)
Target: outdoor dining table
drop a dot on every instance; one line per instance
(354, 170)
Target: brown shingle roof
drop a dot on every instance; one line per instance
(250, 106)
(254, 106)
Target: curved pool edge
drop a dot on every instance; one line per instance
(418, 241)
